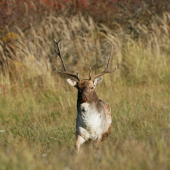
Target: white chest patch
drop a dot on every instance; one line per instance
(88, 123)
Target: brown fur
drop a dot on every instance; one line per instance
(86, 93)
(108, 112)
(106, 134)
(84, 84)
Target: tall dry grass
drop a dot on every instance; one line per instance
(83, 46)
(38, 108)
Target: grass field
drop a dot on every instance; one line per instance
(38, 107)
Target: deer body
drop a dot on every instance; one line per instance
(93, 115)
(88, 122)
(92, 122)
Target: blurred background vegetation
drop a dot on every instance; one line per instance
(38, 107)
(27, 30)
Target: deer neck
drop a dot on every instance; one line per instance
(93, 103)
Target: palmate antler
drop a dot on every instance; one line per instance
(65, 70)
(106, 70)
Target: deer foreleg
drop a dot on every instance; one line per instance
(99, 142)
(79, 141)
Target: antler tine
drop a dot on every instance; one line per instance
(90, 74)
(106, 69)
(65, 70)
(77, 74)
(58, 53)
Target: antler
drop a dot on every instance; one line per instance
(65, 70)
(106, 70)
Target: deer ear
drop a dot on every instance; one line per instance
(97, 81)
(72, 82)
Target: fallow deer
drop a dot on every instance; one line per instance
(93, 115)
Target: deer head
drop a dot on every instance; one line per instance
(85, 87)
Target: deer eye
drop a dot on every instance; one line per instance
(92, 87)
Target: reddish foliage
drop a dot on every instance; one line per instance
(24, 12)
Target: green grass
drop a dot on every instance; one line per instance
(39, 129)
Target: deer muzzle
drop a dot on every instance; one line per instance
(84, 100)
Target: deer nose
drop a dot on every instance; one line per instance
(84, 100)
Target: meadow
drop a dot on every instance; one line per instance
(38, 106)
